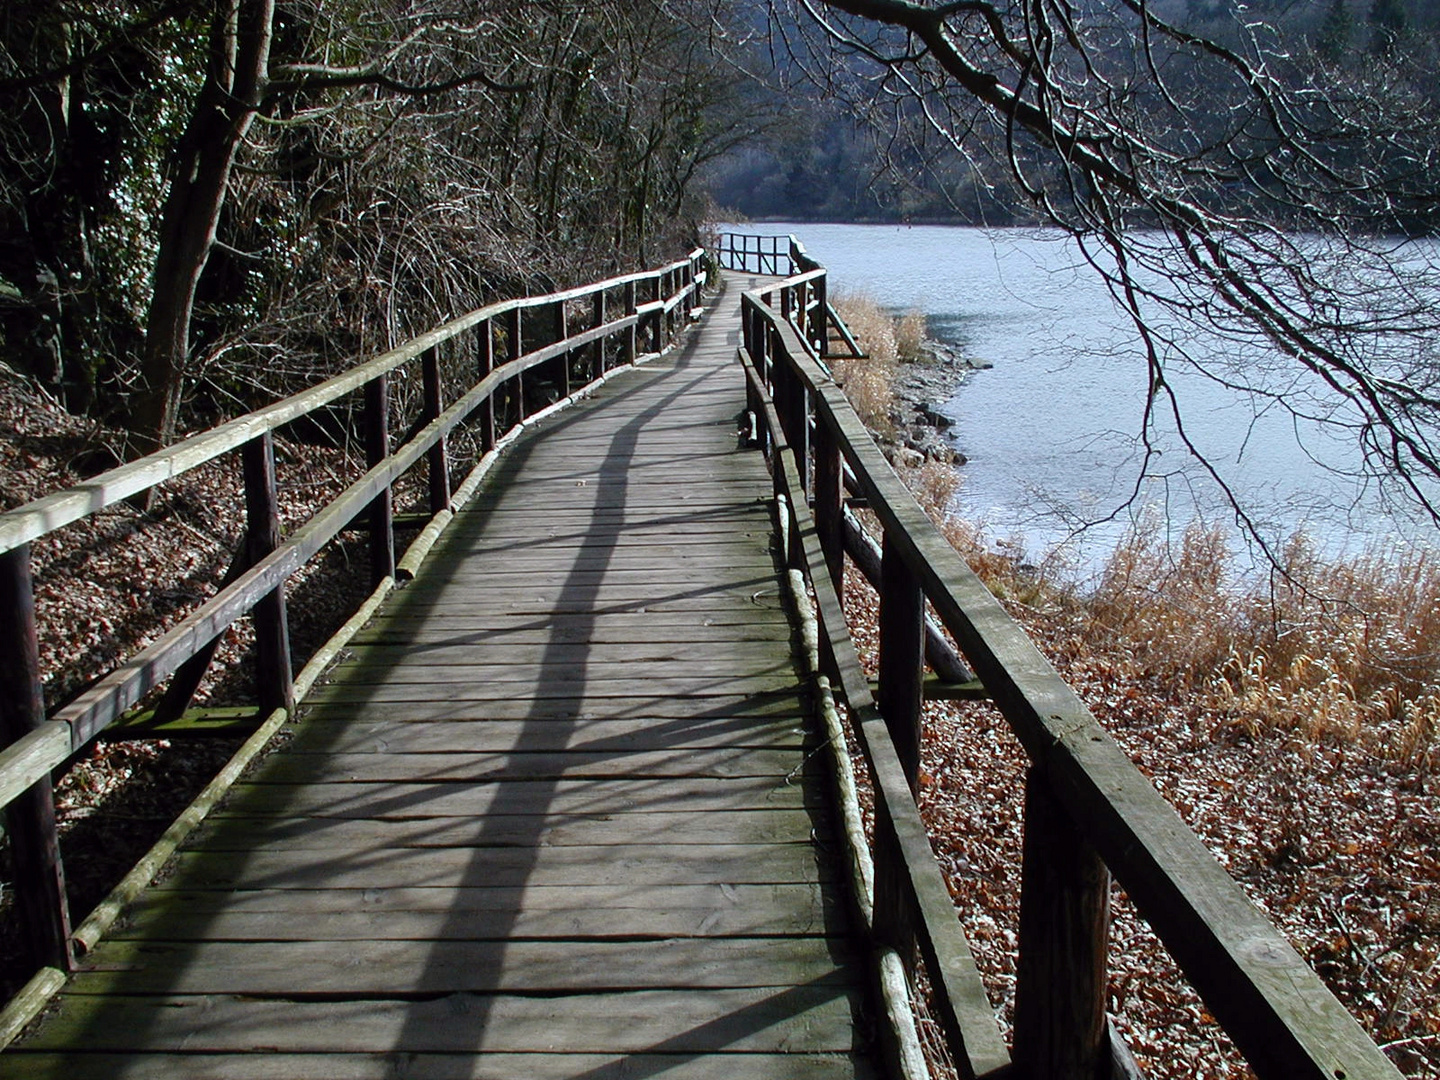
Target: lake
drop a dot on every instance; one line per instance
(1052, 430)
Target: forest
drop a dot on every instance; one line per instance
(204, 205)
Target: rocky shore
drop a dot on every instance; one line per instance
(921, 389)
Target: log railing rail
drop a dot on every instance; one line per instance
(1089, 812)
(539, 336)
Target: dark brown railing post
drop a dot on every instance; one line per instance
(632, 336)
(514, 327)
(274, 677)
(819, 335)
(597, 320)
(1060, 1026)
(894, 910)
(485, 345)
(438, 456)
(34, 844)
(902, 657)
(561, 332)
(377, 449)
(829, 503)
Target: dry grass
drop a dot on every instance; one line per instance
(1331, 649)
(910, 335)
(869, 382)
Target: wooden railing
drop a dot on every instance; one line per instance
(570, 339)
(1088, 811)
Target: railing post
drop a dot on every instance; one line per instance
(902, 657)
(820, 335)
(377, 449)
(597, 320)
(1060, 1026)
(34, 843)
(485, 345)
(561, 332)
(438, 456)
(894, 906)
(274, 677)
(829, 503)
(632, 343)
(514, 327)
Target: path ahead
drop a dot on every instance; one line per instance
(554, 816)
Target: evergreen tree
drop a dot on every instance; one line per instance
(1337, 30)
(1387, 23)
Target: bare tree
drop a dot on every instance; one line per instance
(1244, 184)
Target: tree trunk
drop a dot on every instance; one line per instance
(234, 81)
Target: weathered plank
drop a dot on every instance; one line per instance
(334, 729)
(373, 968)
(431, 1066)
(502, 866)
(416, 799)
(595, 764)
(578, 707)
(472, 913)
(806, 1019)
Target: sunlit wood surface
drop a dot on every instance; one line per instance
(556, 813)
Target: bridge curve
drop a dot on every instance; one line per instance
(555, 813)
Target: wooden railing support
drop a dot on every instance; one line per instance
(514, 347)
(485, 363)
(274, 675)
(377, 449)
(597, 350)
(829, 498)
(559, 333)
(34, 842)
(632, 335)
(902, 658)
(1060, 1026)
(438, 457)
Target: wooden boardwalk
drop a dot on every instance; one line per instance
(555, 815)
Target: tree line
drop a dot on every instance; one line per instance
(856, 156)
(204, 203)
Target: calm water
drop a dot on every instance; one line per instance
(1052, 430)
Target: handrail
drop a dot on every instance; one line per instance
(44, 515)
(1088, 810)
(537, 335)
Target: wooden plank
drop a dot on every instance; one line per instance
(396, 801)
(332, 728)
(426, 1066)
(692, 905)
(497, 658)
(808, 1019)
(582, 707)
(661, 828)
(502, 650)
(786, 918)
(445, 614)
(479, 864)
(372, 968)
(476, 630)
(722, 763)
(402, 686)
